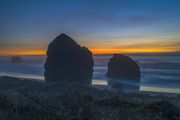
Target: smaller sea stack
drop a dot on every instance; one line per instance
(123, 67)
(16, 59)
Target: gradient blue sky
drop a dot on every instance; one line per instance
(101, 25)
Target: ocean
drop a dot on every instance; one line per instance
(159, 72)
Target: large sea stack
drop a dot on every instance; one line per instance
(68, 61)
(122, 67)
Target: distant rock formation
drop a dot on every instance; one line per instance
(68, 61)
(122, 67)
(16, 59)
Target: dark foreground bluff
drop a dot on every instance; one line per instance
(122, 67)
(68, 61)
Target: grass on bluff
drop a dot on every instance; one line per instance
(64, 101)
(79, 106)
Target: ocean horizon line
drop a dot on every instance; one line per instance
(147, 53)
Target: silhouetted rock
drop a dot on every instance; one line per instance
(122, 67)
(16, 59)
(68, 61)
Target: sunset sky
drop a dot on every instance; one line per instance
(104, 26)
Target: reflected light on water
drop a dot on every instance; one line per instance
(26, 76)
(99, 82)
(159, 89)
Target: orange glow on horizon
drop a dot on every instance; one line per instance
(22, 52)
(94, 51)
(110, 51)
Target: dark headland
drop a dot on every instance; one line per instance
(24, 99)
